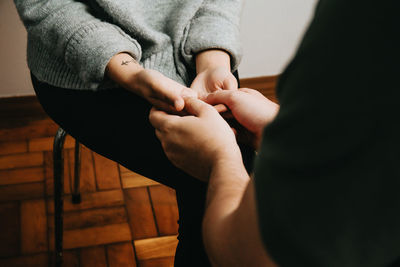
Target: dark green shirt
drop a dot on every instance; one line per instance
(328, 173)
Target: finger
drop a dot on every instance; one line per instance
(187, 92)
(220, 97)
(196, 107)
(230, 83)
(170, 92)
(221, 108)
(159, 118)
(251, 91)
(156, 117)
(161, 105)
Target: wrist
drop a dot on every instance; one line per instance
(211, 59)
(122, 68)
(227, 160)
(228, 178)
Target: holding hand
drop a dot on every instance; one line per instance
(211, 80)
(249, 108)
(160, 91)
(198, 142)
(213, 73)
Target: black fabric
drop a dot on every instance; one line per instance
(328, 174)
(114, 123)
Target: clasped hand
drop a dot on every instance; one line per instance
(199, 141)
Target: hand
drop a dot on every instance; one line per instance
(213, 72)
(249, 108)
(212, 80)
(159, 90)
(198, 142)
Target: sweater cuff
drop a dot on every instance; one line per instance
(214, 33)
(90, 49)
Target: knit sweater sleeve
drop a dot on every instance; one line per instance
(215, 25)
(67, 29)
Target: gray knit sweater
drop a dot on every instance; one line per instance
(70, 42)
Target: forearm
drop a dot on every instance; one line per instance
(227, 183)
(121, 68)
(230, 226)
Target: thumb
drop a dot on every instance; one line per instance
(230, 83)
(187, 92)
(196, 107)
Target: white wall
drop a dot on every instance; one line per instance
(270, 32)
(14, 73)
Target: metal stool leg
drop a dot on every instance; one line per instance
(76, 194)
(58, 194)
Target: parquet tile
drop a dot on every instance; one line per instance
(87, 177)
(34, 260)
(157, 247)
(101, 199)
(15, 147)
(20, 176)
(107, 173)
(33, 226)
(46, 143)
(159, 262)
(165, 209)
(93, 236)
(21, 160)
(122, 254)
(132, 179)
(140, 214)
(9, 225)
(122, 169)
(93, 256)
(91, 218)
(71, 258)
(21, 192)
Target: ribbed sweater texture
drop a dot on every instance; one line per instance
(70, 42)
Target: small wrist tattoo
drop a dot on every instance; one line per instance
(126, 62)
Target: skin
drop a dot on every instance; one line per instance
(250, 109)
(204, 145)
(213, 73)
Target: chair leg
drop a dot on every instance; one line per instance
(58, 194)
(76, 194)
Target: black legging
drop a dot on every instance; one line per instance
(114, 123)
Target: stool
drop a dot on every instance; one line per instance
(58, 168)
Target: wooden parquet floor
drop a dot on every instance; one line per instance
(124, 219)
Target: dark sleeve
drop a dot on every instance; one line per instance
(327, 176)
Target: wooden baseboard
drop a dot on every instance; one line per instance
(265, 84)
(16, 111)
